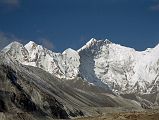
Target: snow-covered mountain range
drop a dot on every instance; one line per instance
(100, 62)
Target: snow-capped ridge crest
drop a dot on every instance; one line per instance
(62, 65)
(157, 46)
(94, 42)
(69, 50)
(91, 42)
(13, 45)
(98, 61)
(107, 41)
(31, 43)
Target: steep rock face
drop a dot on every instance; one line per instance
(88, 55)
(112, 64)
(123, 69)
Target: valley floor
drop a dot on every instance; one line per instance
(147, 115)
(115, 114)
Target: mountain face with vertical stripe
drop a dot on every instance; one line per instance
(100, 62)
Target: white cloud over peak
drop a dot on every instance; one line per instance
(10, 2)
(155, 7)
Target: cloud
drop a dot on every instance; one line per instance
(5, 39)
(155, 7)
(47, 43)
(9, 5)
(82, 38)
(10, 2)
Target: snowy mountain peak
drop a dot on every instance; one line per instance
(17, 51)
(93, 42)
(14, 44)
(69, 50)
(90, 43)
(107, 41)
(30, 44)
(100, 62)
(61, 65)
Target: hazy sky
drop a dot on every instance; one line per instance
(59, 24)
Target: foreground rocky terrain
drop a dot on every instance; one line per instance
(31, 93)
(149, 115)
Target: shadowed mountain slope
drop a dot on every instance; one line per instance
(32, 93)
